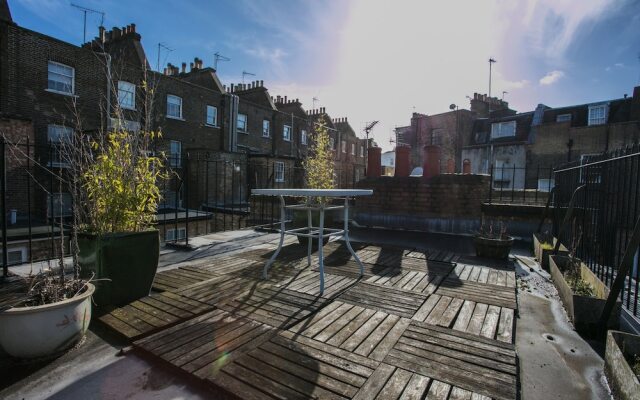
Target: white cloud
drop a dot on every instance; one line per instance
(551, 77)
(619, 65)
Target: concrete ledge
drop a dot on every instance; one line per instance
(623, 381)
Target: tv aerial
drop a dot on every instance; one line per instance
(245, 73)
(86, 10)
(218, 57)
(160, 47)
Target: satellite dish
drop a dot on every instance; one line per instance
(452, 106)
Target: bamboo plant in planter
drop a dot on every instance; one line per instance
(319, 174)
(118, 243)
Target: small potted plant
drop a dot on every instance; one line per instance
(581, 292)
(622, 364)
(543, 245)
(493, 242)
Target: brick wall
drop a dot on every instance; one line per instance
(446, 196)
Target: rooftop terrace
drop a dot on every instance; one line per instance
(426, 319)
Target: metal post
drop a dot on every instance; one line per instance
(186, 198)
(3, 198)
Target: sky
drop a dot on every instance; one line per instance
(378, 59)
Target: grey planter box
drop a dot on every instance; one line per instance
(622, 380)
(542, 255)
(583, 311)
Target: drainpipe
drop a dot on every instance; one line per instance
(107, 57)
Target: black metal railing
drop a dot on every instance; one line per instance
(605, 212)
(520, 185)
(203, 194)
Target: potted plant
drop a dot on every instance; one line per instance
(493, 242)
(319, 174)
(581, 292)
(117, 242)
(622, 364)
(543, 245)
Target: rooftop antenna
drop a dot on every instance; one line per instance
(245, 73)
(162, 46)
(313, 102)
(218, 57)
(503, 93)
(86, 10)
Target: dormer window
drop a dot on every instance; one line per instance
(597, 114)
(563, 118)
(503, 129)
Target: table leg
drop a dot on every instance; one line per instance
(309, 239)
(320, 253)
(282, 229)
(346, 235)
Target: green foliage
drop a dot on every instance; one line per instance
(121, 185)
(319, 165)
(546, 246)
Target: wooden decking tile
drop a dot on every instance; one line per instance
(295, 367)
(471, 363)
(275, 306)
(403, 303)
(497, 295)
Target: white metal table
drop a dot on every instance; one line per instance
(319, 232)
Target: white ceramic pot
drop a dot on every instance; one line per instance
(28, 332)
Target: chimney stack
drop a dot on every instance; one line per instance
(184, 67)
(132, 28)
(115, 33)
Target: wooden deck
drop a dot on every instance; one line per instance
(416, 325)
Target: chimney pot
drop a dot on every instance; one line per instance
(261, 83)
(133, 28)
(184, 67)
(285, 99)
(115, 32)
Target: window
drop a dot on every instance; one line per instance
(212, 116)
(266, 128)
(61, 204)
(127, 95)
(545, 185)
(361, 151)
(598, 114)
(436, 137)
(16, 255)
(175, 154)
(286, 133)
(174, 106)
(332, 143)
(58, 135)
(503, 129)
(344, 146)
(353, 149)
(303, 137)
(170, 234)
(60, 78)
(563, 118)
(242, 122)
(590, 173)
(279, 171)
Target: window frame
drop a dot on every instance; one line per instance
(353, 149)
(131, 106)
(73, 78)
(563, 118)
(497, 133)
(266, 133)
(215, 115)
(303, 137)
(180, 109)
(343, 146)
(332, 143)
(175, 162)
(246, 123)
(182, 234)
(23, 255)
(57, 144)
(593, 121)
(278, 168)
(66, 211)
(286, 133)
(361, 151)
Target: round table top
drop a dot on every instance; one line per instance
(314, 192)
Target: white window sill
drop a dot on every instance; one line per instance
(266, 137)
(54, 164)
(62, 93)
(176, 118)
(128, 107)
(211, 126)
(279, 181)
(286, 140)
(244, 132)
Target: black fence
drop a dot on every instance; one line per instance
(204, 193)
(606, 209)
(520, 185)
